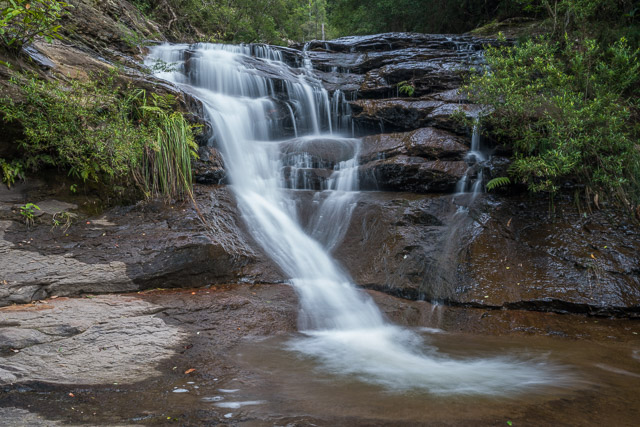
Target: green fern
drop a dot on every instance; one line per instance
(406, 88)
(500, 181)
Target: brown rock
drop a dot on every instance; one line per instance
(425, 142)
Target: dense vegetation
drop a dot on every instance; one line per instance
(267, 21)
(101, 133)
(567, 103)
(456, 16)
(23, 20)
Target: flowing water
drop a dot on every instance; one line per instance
(276, 128)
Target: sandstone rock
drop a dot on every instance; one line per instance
(405, 115)
(431, 143)
(209, 168)
(129, 249)
(504, 253)
(86, 341)
(415, 174)
(527, 257)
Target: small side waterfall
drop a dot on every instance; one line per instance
(244, 89)
(473, 180)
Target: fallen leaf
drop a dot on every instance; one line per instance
(188, 371)
(193, 293)
(72, 395)
(54, 296)
(509, 222)
(593, 256)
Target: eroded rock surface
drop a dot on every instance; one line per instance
(104, 339)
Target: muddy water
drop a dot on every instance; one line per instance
(244, 375)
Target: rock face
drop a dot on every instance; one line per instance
(421, 161)
(404, 114)
(129, 249)
(503, 253)
(525, 257)
(415, 174)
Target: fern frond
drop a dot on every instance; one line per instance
(500, 181)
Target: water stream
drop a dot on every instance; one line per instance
(278, 129)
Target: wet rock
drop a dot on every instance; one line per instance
(502, 253)
(405, 115)
(322, 152)
(430, 143)
(526, 257)
(209, 168)
(397, 241)
(305, 178)
(393, 41)
(497, 166)
(414, 174)
(425, 77)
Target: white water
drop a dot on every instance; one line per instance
(342, 327)
(475, 157)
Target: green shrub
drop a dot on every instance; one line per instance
(11, 171)
(567, 110)
(23, 20)
(102, 133)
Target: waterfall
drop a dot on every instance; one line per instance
(475, 158)
(243, 88)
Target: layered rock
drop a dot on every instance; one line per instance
(129, 249)
(407, 114)
(422, 161)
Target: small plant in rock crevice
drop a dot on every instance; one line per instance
(62, 220)
(406, 88)
(28, 213)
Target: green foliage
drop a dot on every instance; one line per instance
(101, 133)
(167, 160)
(456, 16)
(28, 213)
(428, 16)
(23, 20)
(11, 171)
(406, 88)
(500, 181)
(267, 21)
(567, 111)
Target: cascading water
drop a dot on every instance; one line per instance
(475, 158)
(243, 88)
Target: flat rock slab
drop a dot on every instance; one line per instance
(97, 340)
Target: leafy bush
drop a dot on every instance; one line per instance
(567, 110)
(23, 20)
(101, 133)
